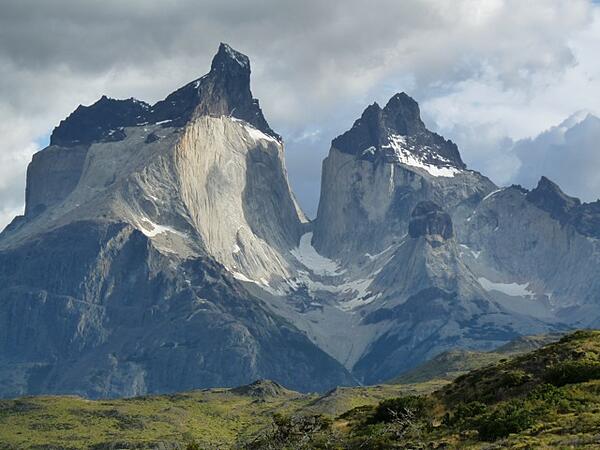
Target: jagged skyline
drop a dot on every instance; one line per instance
(467, 66)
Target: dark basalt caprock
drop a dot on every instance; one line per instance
(225, 90)
(428, 219)
(102, 121)
(401, 116)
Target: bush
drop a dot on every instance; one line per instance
(569, 372)
(506, 418)
(514, 378)
(301, 431)
(547, 393)
(388, 410)
(464, 412)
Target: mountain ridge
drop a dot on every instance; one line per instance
(178, 242)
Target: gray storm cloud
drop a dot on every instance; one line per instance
(477, 67)
(568, 154)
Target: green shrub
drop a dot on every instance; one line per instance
(299, 431)
(506, 418)
(514, 378)
(579, 335)
(464, 412)
(547, 393)
(388, 410)
(569, 372)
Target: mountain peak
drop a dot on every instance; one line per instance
(396, 133)
(227, 59)
(548, 196)
(224, 91)
(403, 114)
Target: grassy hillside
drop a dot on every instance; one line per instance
(453, 363)
(213, 418)
(548, 398)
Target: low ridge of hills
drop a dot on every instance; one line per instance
(549, 396)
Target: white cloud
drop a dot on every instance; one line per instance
(568, 154)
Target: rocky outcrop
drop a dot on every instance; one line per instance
(96, 310)
(376, 174)
(429, 220)
(51, 176)
(584, 217)
(102, 121)
(224, 91)
(123, 278)
(548, 196)
(378, 132)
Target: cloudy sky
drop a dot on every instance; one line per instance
(515, 83)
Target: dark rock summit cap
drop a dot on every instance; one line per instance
(225, 90)
(375, 130)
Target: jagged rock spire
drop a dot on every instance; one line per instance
(549, 197)
(396, 125)
(225, 90)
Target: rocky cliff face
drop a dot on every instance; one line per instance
(123, 276)
(161, 249)
(378, 171)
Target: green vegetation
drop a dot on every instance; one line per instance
(453, 363)
(212, 418)
(548, 398)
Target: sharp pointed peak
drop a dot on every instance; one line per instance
(548, 196)
(401, 97)
(228, 58)
(398, 127)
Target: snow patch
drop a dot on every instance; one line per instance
(258, 135)
(381, 253)
(491, 194)
(308, 256)
(156, 229)
(369, 151)
(254, 133)
(511, 289)
(404, 154)
(242, 277)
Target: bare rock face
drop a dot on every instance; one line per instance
(428, 219)
(397, 131)
(51, 176)
(123, 277)
(377, 173)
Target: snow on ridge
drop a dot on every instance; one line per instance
(491, 194)
(308, 256)
(156, 229)
(404, 155)
(258, 135)
(254, 133)
(510, 289)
